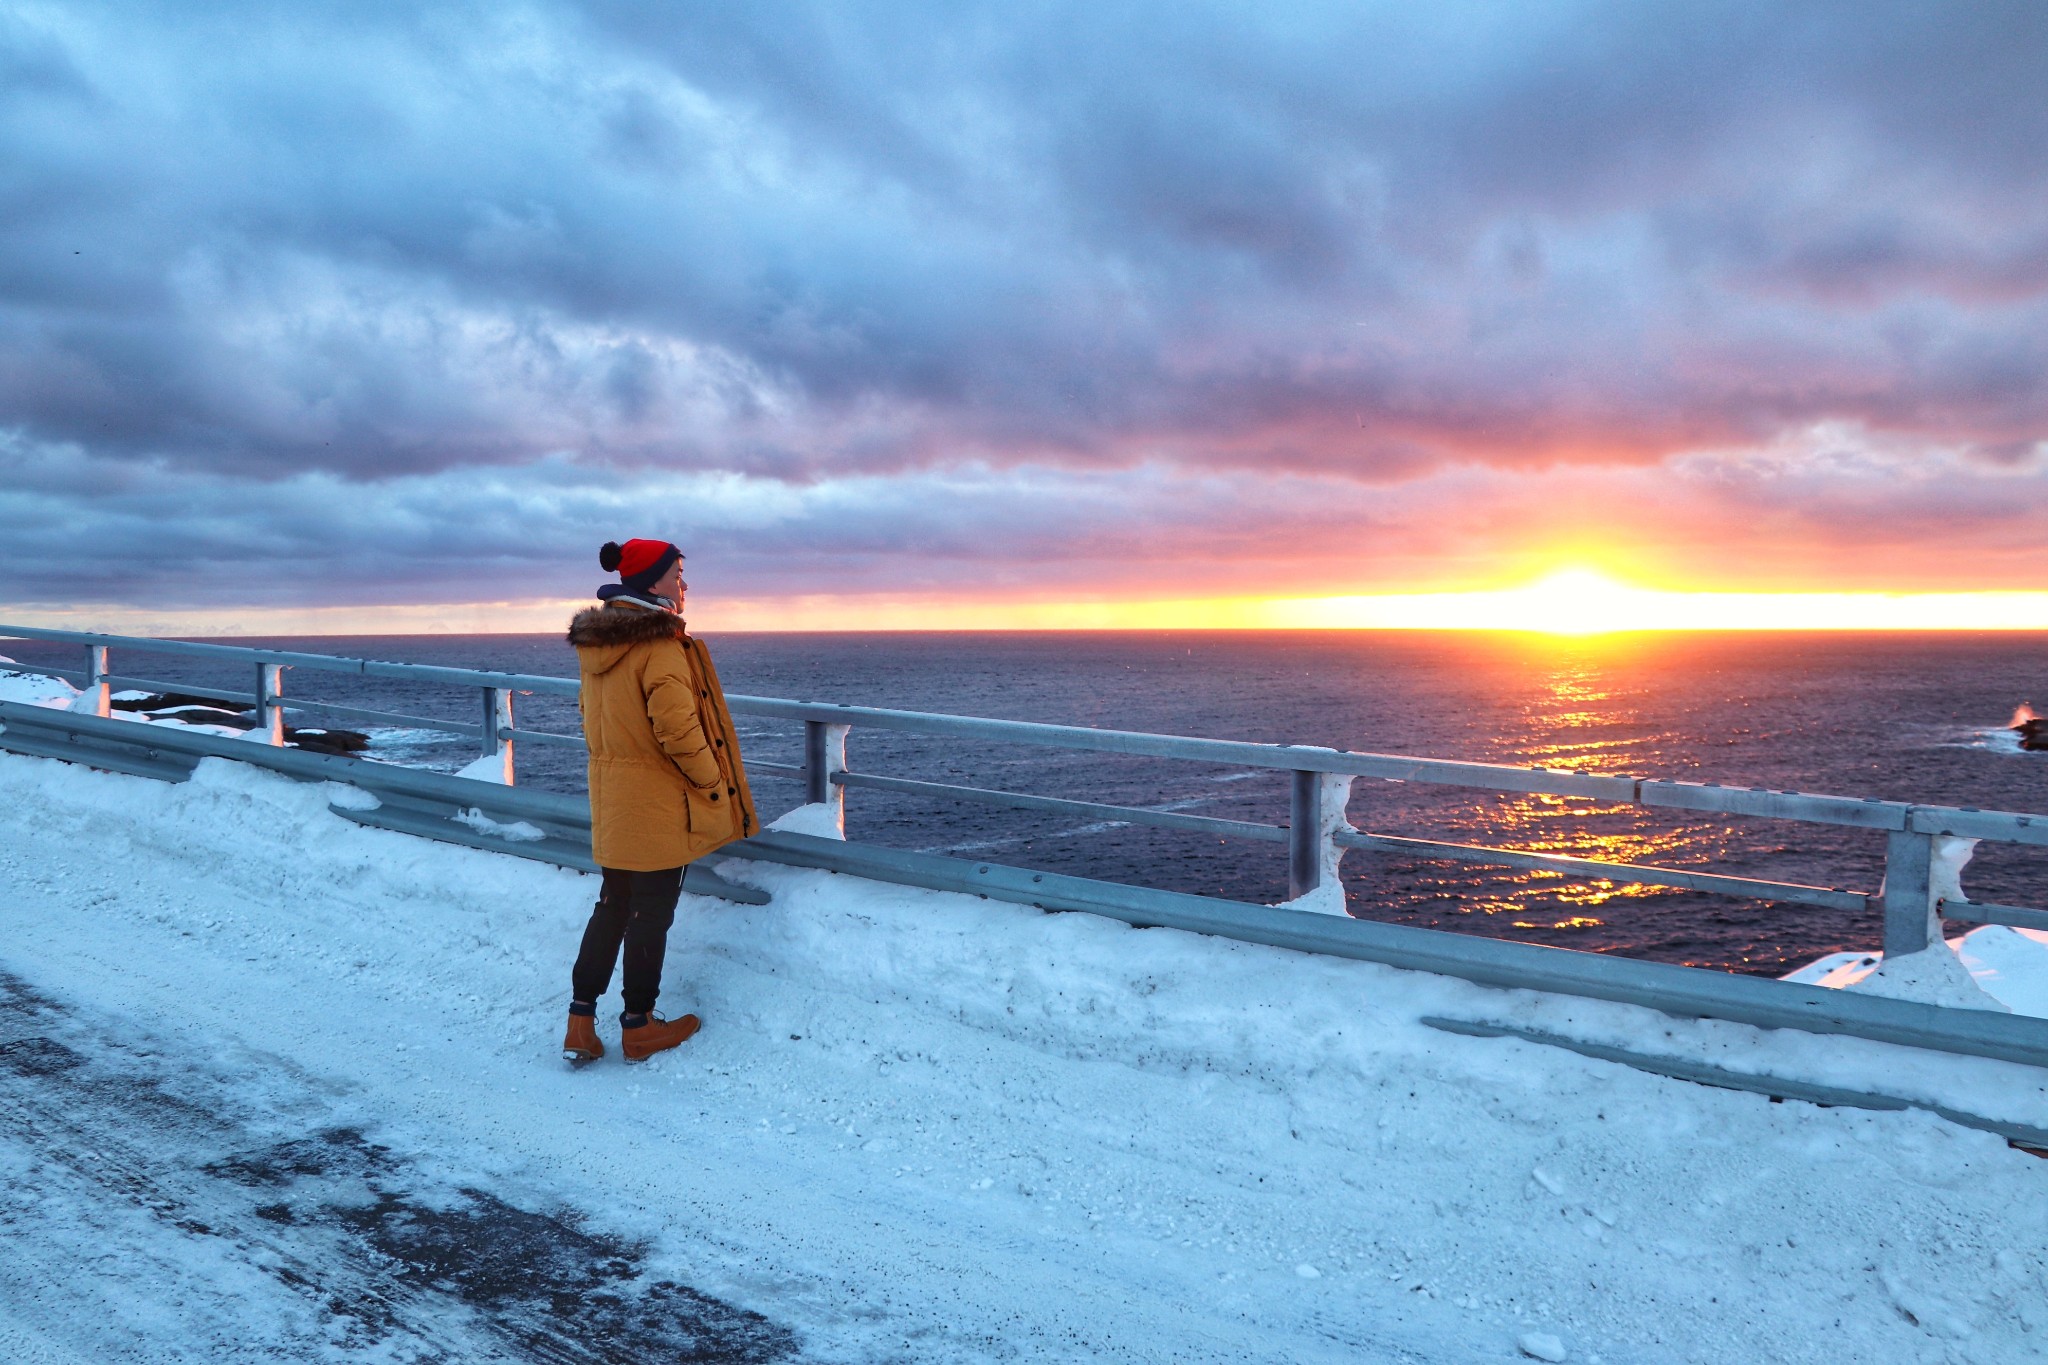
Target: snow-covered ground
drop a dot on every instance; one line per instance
(277, 1086)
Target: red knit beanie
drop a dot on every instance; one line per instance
(638, 562)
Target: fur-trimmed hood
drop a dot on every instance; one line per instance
(611, 630)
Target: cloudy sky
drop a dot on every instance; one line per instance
(386, 307)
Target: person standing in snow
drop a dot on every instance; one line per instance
(666, 787)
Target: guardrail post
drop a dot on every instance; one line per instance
(98, 697)
(1304, 823)
(1912, 920)
(497, 719)
(824, 755)
(1929, 872)
(269, 705)
(1315, 814)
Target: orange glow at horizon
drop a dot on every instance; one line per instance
(1581, 601)
(1572, 601)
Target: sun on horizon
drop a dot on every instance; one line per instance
(1580, 601)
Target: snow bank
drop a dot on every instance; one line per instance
(1990, 967)
(2011, 965)
(34, 688)
(1933, 976)
(927, 1126)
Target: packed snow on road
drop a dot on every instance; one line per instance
(280, 1087)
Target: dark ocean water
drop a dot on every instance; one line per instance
(1908, 717)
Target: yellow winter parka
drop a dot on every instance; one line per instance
(666, 785)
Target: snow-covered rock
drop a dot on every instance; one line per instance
(1990, 967)
(816, 818)
(484, 768)
(1932, 976)
(2008, 964)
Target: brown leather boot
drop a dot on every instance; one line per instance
(582, 1043)
(656, 1035)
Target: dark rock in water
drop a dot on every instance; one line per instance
(328, 741)
(203, 715)
(170, 701)
(181, 706)
(2033, 734)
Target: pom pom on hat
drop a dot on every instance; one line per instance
(638, 562)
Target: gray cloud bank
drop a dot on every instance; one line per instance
(316, 295)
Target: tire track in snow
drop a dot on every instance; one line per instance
(129, 1163)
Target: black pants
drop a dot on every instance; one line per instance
(636, 909)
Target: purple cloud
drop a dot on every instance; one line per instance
(267, 274)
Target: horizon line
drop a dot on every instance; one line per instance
(1844, 631)
(1570, 602)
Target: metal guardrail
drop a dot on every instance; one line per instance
(416, 802)
(1317, 833)
(1914, 896)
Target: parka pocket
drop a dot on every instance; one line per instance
(710, 813)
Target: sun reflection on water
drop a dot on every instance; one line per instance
(1574, 716)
